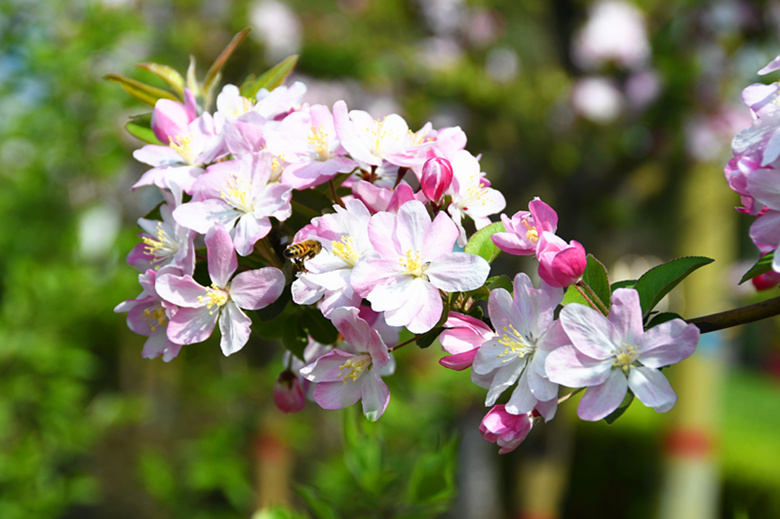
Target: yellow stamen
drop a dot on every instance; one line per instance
(155, 317)
(625, 356)
(532, 234)
(354, 367)
(182, 144)
(515, 345)
(159, 247)
(345, 250)
(414, 265)
(236, 194)
(318, 139)
(215, 298)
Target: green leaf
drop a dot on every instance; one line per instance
(167, 74)
(595, 276)
(654, 284)
(213, 73)
(270, 79)
(661, 318)
(762, 266)
(426, 339)
(617, 413)
(306, 204)
(482, 245)
(320, 328)
(140, 127)
(145, 93)
(501, 281)
(626, 283)
(294, 336)
(432, 481)
(318, 506)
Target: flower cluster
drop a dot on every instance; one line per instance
(390, 249)
(754, 171)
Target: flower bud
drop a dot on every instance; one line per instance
(436, 178)
(560, 263)
(288, 393)
(505, 429)
(766, 280)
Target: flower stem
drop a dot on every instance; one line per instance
(737, 316)
(592, 299)
(569, 395)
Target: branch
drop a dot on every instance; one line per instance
(737, 316)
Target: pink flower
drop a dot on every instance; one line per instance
(288, 392)
(462, 337)
(560, 263)
(202, 307)
(436, 178)
(164, 243)
(505, 429)
(344, 376)
(610, 355)
(171, 118)
(149, 315)
(526, 334)
(525, 227)
(413, 260)
(237, 194)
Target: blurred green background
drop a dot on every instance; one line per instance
(619, 115)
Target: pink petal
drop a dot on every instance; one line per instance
(652, 388)
(191, 325)
(375, 395)
(222, 259)
(255, 289)
(668, 343)
(599, 401)
(569, 367)
(234, 326)
(180, 290)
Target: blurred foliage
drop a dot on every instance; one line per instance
(89, 429)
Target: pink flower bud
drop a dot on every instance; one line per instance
(288, 393)
(507, 430)
(766, 281)
(436, 178)
(560, 263)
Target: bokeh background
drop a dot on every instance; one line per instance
(618, 114)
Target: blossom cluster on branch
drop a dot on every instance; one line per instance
(386, 229)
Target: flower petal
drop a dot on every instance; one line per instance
(652, 388)
(599, 401)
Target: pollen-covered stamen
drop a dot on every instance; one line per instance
(515, 344)
(236, 194)
(318, 140)
(625, 355)
(413, 265)
(531, 234)
(477, 193)
(161, 247)
(345, 249)
(154, 317)
(382, 136)
(214, 299)
(182, 144)
(244, 105)
(353, 367)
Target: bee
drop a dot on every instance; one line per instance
(298, 252)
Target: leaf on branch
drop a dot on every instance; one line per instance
(762, 266)
(426, 339)
(139, 127)
(167, 74)
(213, 73)
(624, 405)
(500, 281)
(145, 93)
(654, 284)
(662, 318)
(482, 245)
(270, 79)
(318, 326)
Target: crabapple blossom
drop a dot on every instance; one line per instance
(436, 178)
(560, 263)
(149, 315)
(344, 238)
(526, 334)
(609, 355)
(179, 163)
(368, 140)
(461, 338)
(354, 371)
(413, 260)
(471, 194)
(505, 429)
(280, 101)
(307, 140)
(164, 243)
(171, 118)
(236, 194)
(522, 231)
(202, 307)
